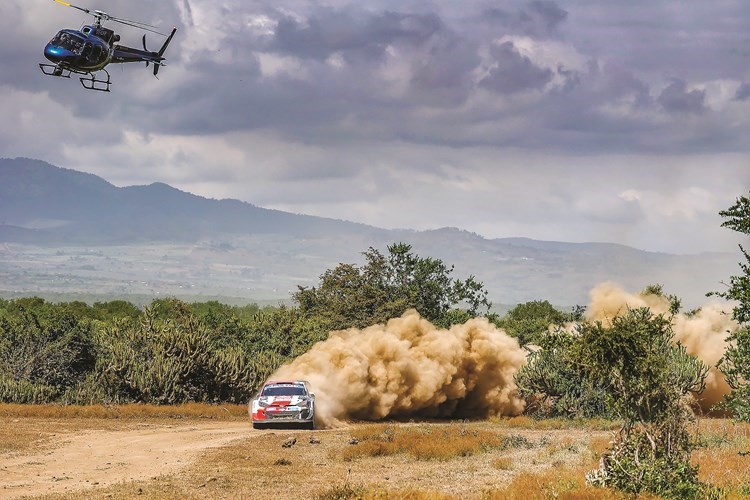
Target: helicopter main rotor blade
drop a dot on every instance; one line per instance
(139, 23)
(129, 23)
(87, 11)
(103, 16)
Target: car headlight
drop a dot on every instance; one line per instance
(262, 403)
(303, 403)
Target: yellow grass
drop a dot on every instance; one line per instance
(423, 442)
(524, 422)
(723, 456)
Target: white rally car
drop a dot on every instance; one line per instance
(284, 403)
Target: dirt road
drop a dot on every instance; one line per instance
(95, 458)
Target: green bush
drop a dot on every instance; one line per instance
(555, 384)
(650, 379)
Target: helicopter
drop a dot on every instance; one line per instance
(88, 50)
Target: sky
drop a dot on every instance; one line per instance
(583, 120)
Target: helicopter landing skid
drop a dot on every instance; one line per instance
(54, 70)
(92, 83)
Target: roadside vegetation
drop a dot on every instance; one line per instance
(627, 373)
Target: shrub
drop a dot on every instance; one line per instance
(650, 379)
(555, 384)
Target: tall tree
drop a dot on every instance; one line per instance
(736, 361)
(386, 286)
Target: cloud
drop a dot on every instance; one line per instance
(743, 92)
(355, 36)
(538, 18)
(677, 99)
(513, 71)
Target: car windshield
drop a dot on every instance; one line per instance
(284, 390)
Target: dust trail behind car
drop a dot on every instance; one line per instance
(702, 332)
(409, 367)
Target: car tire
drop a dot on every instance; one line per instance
(311, 424)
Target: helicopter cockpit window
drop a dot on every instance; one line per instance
(68, 41)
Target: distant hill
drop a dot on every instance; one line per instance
(63, 231)
(44, 204)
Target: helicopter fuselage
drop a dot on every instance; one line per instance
(79, 51)
(89, 50)
(84, 51)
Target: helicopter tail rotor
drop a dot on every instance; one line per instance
(144, 47)
(163, 49)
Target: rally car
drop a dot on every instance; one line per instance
(284, 403)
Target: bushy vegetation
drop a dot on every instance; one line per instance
(531, 321)
(555, 383)
(632, 370)
(650, 379)
(173, 352)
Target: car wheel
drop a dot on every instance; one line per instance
(311, 424)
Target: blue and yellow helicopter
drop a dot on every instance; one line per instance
(88, 50)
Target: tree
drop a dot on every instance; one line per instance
(736, 361)
(530, 321)
(649, 378)
(386, 286)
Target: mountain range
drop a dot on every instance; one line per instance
(68, 232)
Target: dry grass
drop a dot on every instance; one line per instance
(21, 440)
(562, 482)
(503, 463)
(423, 442)
(524, 422)
(502, 459)
(724, 455)
(130, 411)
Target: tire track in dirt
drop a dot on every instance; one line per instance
(94, 459)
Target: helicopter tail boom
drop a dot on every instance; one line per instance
(124, 54)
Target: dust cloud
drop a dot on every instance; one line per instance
(703, 334)
(409, 367)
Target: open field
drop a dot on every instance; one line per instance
(198, 451)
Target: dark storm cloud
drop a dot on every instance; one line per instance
(443, 77)
(514, 72)
(743, 92)
(355, 36)
(677, 99)
(412, 71)
(537, 18)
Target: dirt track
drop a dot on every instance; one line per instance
(97, 458)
